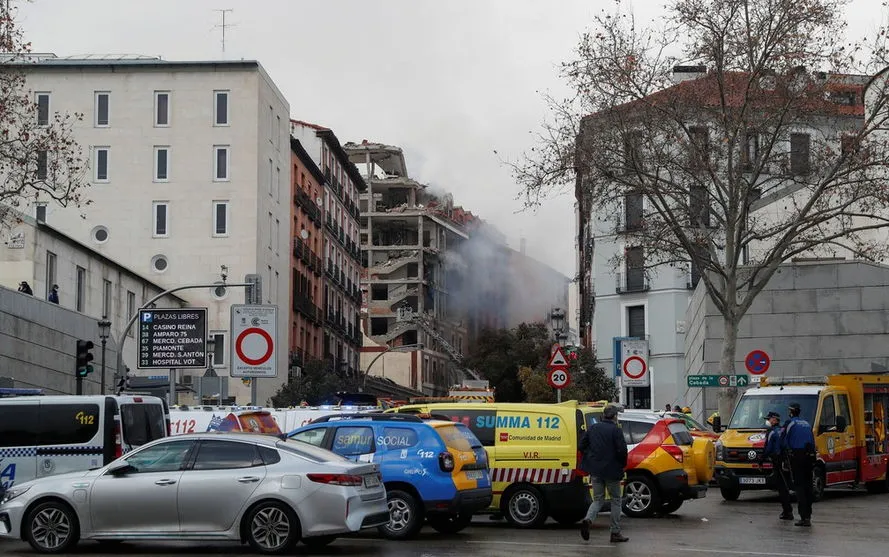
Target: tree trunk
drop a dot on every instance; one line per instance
(726, 396)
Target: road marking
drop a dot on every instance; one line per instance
(679, 548)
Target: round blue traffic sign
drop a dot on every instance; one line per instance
(757, 362)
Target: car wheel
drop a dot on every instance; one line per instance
(405, 516)
(524, 507)
(672, 506)
(272, 528)
(641, 498)
(317, 542)
(818, 484)
(449, 523)
(730, 493)
(52, 527)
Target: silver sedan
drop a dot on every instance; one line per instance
(210, 486)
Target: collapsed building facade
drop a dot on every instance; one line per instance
(407, 235)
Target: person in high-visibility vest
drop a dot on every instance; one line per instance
(712, 417)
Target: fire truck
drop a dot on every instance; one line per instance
(848, 416)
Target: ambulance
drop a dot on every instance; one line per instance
(47, 435)
(533, 455)
(273, 421)
(848, 416)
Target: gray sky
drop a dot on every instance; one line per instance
(449, 81)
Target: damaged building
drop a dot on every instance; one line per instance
(406, 234)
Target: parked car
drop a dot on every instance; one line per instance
(242, 487)
(432, 469)
(696, 428)
(666, 465)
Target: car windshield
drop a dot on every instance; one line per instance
(751, 410)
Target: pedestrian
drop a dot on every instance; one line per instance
(604, 459)
(775, 455)
(54, 294)
(25, 288)
(667, 407)
(798, 442)
(677, 409)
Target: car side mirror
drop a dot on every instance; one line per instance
(841, 424)
(121, 468)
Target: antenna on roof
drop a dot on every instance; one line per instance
(223, 25)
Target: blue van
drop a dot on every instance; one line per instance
(432, 469)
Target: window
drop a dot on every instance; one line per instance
(750, 153)
(271, 233)
(103, 109)
(680, 433)
(42, 100)
(843, 409)
(42, 165)
(799, 153)
(632, 153)
(106, 298)
(161, 108)
(828, 417)
(220, 108)
(636, 321)
(131, 309)
(40, 212)
(220, 218)
(379, 292)
(633, 210)
(161, 164)
(18, 425)
(269, 455)
(635, 432)
(277, 132)
(142, 423)
(271, 178)
(699, 148)
(397, 438)
(50, 271)
(311, 436)
(699, 206)
(163, 457)
(66, 424)
(276, 234)
(278, 184)
(80, 294)
(220, 163)
(353, 441)
(218, 349)
(225, 455)
(159, 212)
(100, 163)
(635, 267)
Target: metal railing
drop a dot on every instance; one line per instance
(633, 280)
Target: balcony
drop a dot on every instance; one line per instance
(633, 280)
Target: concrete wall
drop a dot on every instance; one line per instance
(812, 318)
(38, 343)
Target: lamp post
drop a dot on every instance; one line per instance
(557, 322)
(104, 327)
(402, 349)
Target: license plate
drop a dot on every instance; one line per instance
(752, 481)
(372, 481)
(475, 474)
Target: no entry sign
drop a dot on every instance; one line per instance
(253, 330)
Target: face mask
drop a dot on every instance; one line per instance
(768, 423)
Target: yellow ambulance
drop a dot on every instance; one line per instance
(532, 449)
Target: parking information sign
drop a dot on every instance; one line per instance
(172, 338)
(253, 331)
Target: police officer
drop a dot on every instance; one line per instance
(799, 442)
(774, 454)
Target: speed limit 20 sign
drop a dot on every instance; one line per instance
(558, 378)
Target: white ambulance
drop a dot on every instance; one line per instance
(198, 419)
(45, 435)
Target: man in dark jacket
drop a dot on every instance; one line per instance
(775, 455)
(604, 459)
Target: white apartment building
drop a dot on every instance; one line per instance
(631, 301)
(189, 172)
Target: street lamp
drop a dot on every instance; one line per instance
(557, 322)
(403, 348)
(104, 327)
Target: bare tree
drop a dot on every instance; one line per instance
(740, 135)
(39, 158)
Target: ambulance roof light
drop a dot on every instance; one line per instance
(796, 380)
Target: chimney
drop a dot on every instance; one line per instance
(685, 73)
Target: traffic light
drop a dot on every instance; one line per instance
(84, 357)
